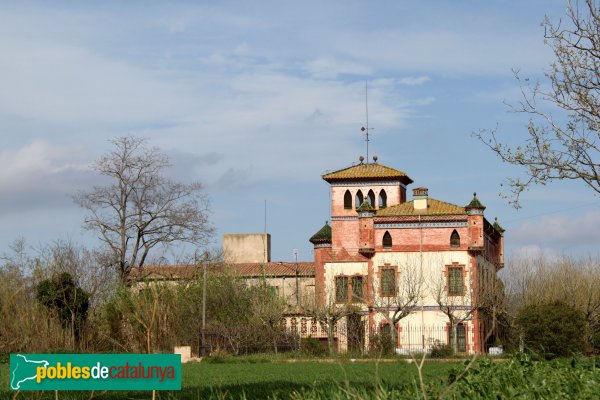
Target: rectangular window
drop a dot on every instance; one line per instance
(341, 289)
(455, 281)
(385, 330)
(357, 289)
(461, 334)
(388, 282)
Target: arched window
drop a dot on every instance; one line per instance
(359, 199)
(454, 239)
(347, 200)
(371, 197)
(382, 199)
(387, 240)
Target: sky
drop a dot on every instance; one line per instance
(257, 100)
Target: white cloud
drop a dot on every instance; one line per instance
(260, 119)
(68, 84)
(41, 174)
(414, 80)
(534, 251)
(329, 67)
(559, 232)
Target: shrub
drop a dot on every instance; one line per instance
(440, 350)
(312, 346)
(552, 330)
(219, 356)
(71, 303)
(381, 344)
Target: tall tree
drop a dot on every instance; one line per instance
(141, 208)
(560, 145)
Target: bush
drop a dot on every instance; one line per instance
(381, 344)
(440, 350)
(552, 330)
(312, 346)
(219, 356)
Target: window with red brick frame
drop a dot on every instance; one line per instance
(341, 289)
(388, 282)
(349, 289)
(357, 289)
(461, 334)
(456, 284)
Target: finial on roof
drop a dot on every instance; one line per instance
(361, 159)
(375, 158)
(475, 203)
(498, 227)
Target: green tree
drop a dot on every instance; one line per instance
(61, 295)
(554, 330)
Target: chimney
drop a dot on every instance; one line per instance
(420, 196)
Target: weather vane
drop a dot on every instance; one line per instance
(366, 130)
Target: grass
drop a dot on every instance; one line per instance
(259, 378)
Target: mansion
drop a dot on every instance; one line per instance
(420, 270)
(422, 267)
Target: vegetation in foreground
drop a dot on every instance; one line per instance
(520, 377)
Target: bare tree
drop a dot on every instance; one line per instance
(402, 298)
(140, 208)
(268, 309)
(457, 307)
(554, 149)
(328, 314)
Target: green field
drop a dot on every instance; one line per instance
(519, 377)
(263, 379)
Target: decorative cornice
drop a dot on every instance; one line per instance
(405, 225)
(383, 183)
(344, 218)
(386, 219)
(419, 308)
(474, 211)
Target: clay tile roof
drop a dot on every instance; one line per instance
(367, 171)
(434, 207)
(185, 271)
(322, 236)
(177, 272)
(271, 269)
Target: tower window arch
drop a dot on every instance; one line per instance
(382, 199)
(454, 239)
(371, 198)
(387, 240)
(347, 200)
(358, 199)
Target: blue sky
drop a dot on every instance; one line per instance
(258, 99)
